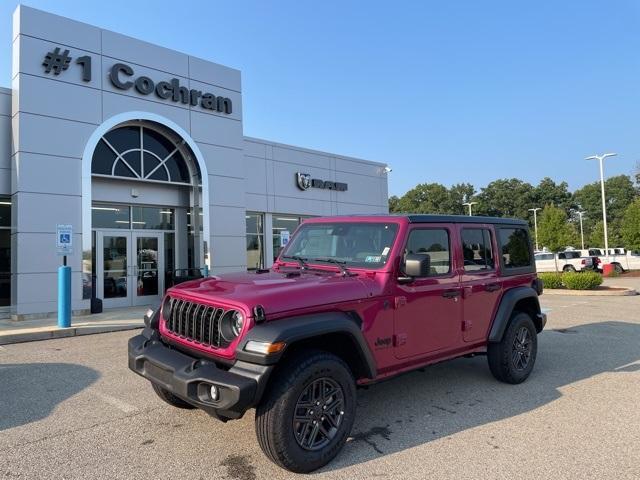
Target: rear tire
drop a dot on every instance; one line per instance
(313, 386)
(168, 397)
(569, 268)
(511, 360)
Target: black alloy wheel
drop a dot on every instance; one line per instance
(318, 414)
(521, 349)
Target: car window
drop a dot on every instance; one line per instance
(516, 251)
(476, 249)
(562, 255)
(435, 243)
(572, 254)
(544, 256)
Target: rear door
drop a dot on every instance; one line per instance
(429, 309)
(481, 285)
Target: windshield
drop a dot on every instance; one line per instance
(365, 245)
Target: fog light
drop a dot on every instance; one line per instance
(214, 393)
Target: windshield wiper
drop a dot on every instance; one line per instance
(301, 261)
(340, 263)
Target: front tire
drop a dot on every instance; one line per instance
(511, 360)
(168, 397)
(618, 268)
(307, 412)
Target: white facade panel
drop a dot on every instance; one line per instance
(40, 212)
(214, 74)
(228, 251)
(114, 104)
(128, 49)
(43, 97)
(223, 161)
(36, 23)
(50, 136)
(34, 172)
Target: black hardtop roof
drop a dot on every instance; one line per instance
(424, 218)
(434, 218)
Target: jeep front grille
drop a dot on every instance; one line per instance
(197, 322)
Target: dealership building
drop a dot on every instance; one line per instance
(138, 151)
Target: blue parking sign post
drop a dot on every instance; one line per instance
(64, 247)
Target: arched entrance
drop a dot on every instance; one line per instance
(145, 211)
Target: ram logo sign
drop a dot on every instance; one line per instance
(304, 182)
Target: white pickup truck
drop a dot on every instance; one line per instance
(567, 261)
(621, 258)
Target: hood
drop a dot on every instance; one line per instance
(278, 291)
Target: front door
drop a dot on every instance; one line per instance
(130, 268)
(148, 271)
(429, 309)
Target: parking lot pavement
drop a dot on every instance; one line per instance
(69, 408)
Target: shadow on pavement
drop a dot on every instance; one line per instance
(30, 391)
(461, 394)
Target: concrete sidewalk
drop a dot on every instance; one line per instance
(42, 329)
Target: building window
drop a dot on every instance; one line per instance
(255, 240)
(140, 153)
(283, 227)
(5, 252)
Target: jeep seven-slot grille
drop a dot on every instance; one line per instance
(196, 322)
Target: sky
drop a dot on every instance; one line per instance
(448, 92)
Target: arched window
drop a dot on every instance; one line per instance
(142, 153)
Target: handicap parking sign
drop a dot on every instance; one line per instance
(64, 239)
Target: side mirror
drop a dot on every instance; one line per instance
(415, 265)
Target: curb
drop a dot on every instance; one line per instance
(48, 333)
(626, 292)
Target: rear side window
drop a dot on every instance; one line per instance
(476, 249)
(544, 256)
(435, 243)
(516, 251)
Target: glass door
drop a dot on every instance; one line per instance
(113, 283)
(148, 267)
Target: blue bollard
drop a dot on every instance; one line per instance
(205, 271)
(64, 297)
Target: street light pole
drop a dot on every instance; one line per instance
(580, 214)
(600, 159)
(535, 222)
(469, 204)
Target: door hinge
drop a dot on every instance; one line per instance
(399, 339)
(400, 302)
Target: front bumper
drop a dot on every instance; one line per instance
(190, 378)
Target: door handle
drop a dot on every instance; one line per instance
(451, 293)
(492, 287)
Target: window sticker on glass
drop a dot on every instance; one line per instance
(373, 259)
(385, 252)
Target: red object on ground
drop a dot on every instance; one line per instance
(608, 269)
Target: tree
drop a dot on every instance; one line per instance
(394, 204)
(554, 231)
(596, 238)
(619, 192)
(459, 194)
(506, 198)
(549, 192)
(424, 198)
(630, 229)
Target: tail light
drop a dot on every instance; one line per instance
(583, 262)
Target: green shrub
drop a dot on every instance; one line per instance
(582, 280)
(550, 279)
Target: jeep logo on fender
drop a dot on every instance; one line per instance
(383, 342)
(304, 181)
(171, 90)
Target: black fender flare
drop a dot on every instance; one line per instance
(304, 327)
(507, 305)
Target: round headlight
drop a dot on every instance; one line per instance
(231, 325)
(237, 321)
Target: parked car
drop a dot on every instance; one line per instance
(568, 261)
(617, 257)
(350, 301)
